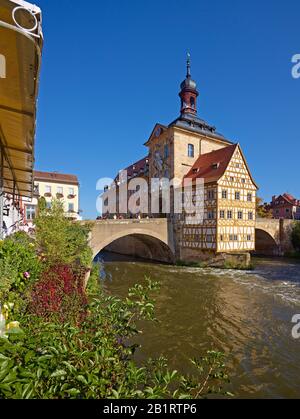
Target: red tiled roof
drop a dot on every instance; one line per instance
(289, 198)
(204, 166)
(135, 168)
(55, 177)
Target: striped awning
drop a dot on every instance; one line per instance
(21, 42)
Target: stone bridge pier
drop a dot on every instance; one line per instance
(273, 237)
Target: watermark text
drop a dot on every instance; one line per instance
(296, 67)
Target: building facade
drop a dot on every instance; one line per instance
(190, 148)
(52, 185)
(19, 213)
(285, 206)
(13, 214)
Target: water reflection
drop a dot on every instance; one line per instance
(247, 315)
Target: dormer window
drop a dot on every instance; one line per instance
(215, 166)
(195, 170)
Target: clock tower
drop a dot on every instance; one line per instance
(188, 93)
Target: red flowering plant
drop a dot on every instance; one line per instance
(60, 295)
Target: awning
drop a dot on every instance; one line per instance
(21, 42)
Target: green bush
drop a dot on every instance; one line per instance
(95, 361)
(59, 239)
(19, 264)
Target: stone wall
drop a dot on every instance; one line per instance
(143, 247)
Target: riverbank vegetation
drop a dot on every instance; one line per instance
(60, 339)
(295, 236)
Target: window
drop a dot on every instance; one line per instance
(231, 179)
(249, 238)
(192, 102)
(211, 215)
(237, 165)
(240, 215)
(71, 207)
(249, 197)
(250, 215)
(209, 238)
(30, 212)
(166, 151)
(166, 173)
(243, 180)
(211, 194)
(191, 150)
(71, 191)
(224, 194)
(222, 238)
(215, 166)
(231, 237)
(287, 210)
(229, 215)
(235, 238)
(60, 190)
(222, 214)
(36, 189)
(237, 196)
(48, 189)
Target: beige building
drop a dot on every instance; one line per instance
(53, 186)
(190, 148)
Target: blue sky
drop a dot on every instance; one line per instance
(112, 69)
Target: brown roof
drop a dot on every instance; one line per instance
(136, 168)
(289, 198)
(212, 166)
(55, 177)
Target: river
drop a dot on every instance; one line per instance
(246, 315)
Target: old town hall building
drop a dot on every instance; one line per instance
(191, 148)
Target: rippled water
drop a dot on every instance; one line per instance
(247, 315)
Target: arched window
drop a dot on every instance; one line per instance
(192, 102)
(191, 150)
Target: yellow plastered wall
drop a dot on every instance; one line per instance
(66, 192)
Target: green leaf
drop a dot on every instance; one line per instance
(73, 392)
(81, 379)
(59, 373)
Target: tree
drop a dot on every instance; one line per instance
(59, 239)
(261, 210)
(296, 236)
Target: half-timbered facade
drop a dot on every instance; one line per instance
(190, 148)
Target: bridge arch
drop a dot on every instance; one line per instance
(265, 243)
(145, 239)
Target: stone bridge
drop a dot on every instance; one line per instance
(273, 237)
(154, 238)
(149, 239)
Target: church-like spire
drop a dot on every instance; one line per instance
(188, 65)
(188, 93)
